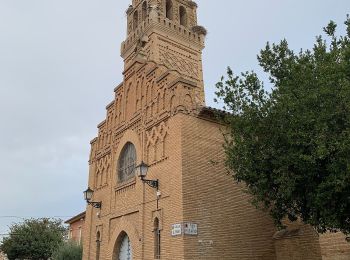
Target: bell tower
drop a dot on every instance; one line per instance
(165, 32)
(158, 116)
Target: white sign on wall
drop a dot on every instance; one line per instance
(176, 230)
(186, 228)
(190, 229)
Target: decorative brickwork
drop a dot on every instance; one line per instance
(103, 168)
(155, 144)
(159, 108)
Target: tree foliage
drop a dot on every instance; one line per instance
(33, 239)
(68, 251)
(291, 145)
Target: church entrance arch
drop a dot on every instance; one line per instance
(123, 248)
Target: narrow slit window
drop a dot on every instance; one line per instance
(183, 16)
(156, 239)
(98, 245)
(136, 20)
(169, 9)
(144, 11)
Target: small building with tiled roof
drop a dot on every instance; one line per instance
(76, 227)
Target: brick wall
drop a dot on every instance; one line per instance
(132, 207)
(297, 242)
(76, 228)
(334, 247)
(195, 187)
(229, 226)
(156, 109)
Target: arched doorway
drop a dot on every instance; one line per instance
(124, 249)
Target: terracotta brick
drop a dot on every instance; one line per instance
(76, 227)
(159, 108)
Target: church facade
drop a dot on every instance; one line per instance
(191, 209)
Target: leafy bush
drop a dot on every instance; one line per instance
(68, 251)
(291, 146)
(33, 239)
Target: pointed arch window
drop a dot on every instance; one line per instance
(156, 239)
(127, 163)
(169, 9)
(144, 10)
(98, 245)
(125, 249)
(183, 16)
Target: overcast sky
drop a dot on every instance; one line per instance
(59, 64)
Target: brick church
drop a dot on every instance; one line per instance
(156, 167)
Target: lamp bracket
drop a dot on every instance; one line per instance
(151, 183)
(96, 205)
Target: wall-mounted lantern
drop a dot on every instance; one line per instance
(88, 194)
(141, 171)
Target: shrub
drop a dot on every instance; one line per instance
(68, 251)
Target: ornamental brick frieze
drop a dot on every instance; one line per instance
(172, 45)
(150, 72)
(118, 108)
(130, 47)
(185, 98)
(110, 116)
(104, 139)
(128, 60)
(93, 150)
(155, 146)
(181, 64)
(129, 72)
(130, 97)
(141, 71)
(134, 125)
(102, 171)
(102, 144)
(178, 58)
(148, 96)
(147, 52)
(103, 152)
(157, 108)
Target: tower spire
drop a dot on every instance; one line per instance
(165, 32)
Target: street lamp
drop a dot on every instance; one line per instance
(141, 171)
(88, 196)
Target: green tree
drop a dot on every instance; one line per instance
(68, 251)
(33, 239)
(291, 145)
